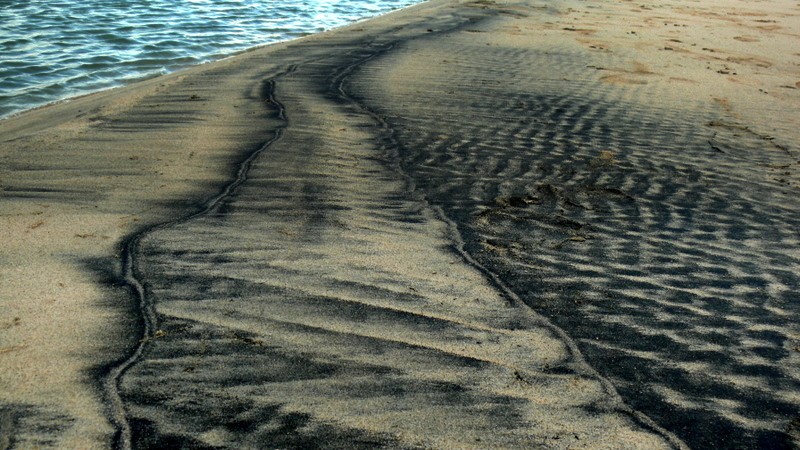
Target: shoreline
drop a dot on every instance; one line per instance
(123, 82)
(375, 199)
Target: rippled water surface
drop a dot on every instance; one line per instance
(51, 49)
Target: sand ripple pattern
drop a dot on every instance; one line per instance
(324, 304)
(665, 240)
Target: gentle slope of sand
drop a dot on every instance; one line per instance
(465, 224)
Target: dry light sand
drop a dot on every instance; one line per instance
(467, 224)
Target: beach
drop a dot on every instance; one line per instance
(464, 224)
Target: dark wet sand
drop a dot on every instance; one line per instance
(463, 225)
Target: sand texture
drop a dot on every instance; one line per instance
(479, 224)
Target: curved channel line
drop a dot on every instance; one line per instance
(337, 83)
(129, 248)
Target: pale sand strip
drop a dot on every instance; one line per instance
(79, 177)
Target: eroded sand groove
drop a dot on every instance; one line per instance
(131, 276)
(321, 304)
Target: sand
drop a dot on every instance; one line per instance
(461, 225)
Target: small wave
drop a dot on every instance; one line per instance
(55, 50)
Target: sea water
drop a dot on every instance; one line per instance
(55, 49)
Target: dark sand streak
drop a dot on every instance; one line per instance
(118, 414)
